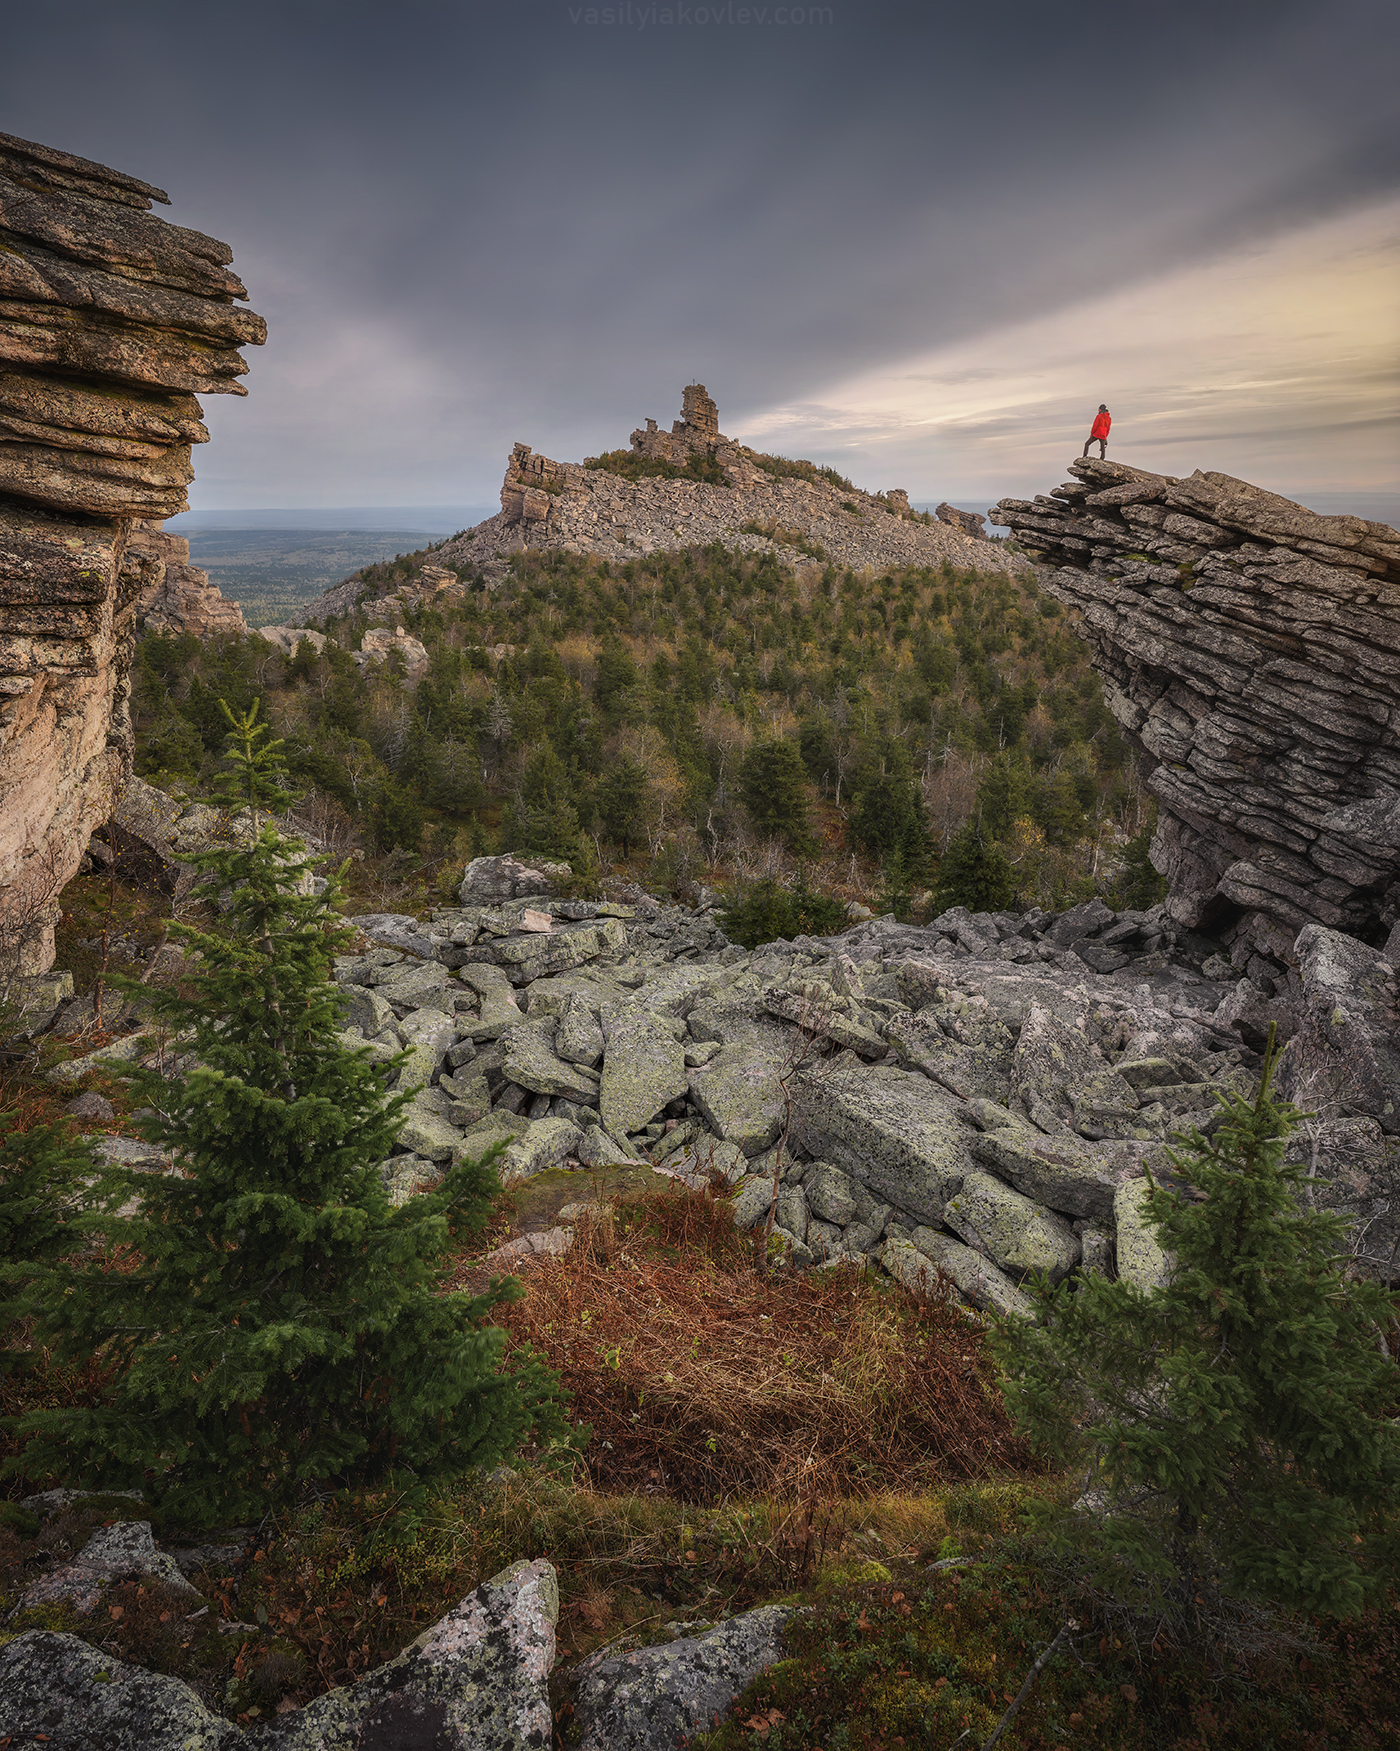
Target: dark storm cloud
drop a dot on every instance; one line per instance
(468, 224)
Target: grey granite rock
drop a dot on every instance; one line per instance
(114, 1553)
(653, 1698)
(1061, 1172)
(1016, 1233)
(532, 1062)
(643, 1070)
(579, 1037)
(476, 1681)
(903, 1142)
(1054, 1062)
(1140, 1258)
(738, 1091)
(918, 1260)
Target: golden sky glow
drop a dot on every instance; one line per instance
(1277, 362)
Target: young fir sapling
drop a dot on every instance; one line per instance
(274, 1326)
(1235, 1429)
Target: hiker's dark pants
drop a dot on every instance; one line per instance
(1102, 444)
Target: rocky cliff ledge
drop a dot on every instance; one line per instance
(111, 321)
(1251, 648)
(591, 507)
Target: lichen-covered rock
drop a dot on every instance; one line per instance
(499, 1009)
(113, 1553)
(545, 1144)
(899, 1138)
(1141, 1260)
(579, 1039)
(654, 1698)
(1348, 1042)
(918, 1260)
(975, 1066)
(531, 1062)
(1054, 1063)
(1059, 1171)
(1018, 1234)
(476, 1681)
(643, 1070)
(489, 880)
(738, 1091)
(831, 1194)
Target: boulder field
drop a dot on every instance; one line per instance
(964, 1105)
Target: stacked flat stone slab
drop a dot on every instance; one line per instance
(111, 322)
(1251, 650)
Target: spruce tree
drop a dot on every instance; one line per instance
(47, 1175)
(1236, 1426)
(273, 1325)
(773, 788)
(974, 873)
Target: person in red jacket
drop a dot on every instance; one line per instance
(1102, 421)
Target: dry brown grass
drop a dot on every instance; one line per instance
(704, 1378)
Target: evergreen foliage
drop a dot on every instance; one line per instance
(888, 819)
(679, 661)
(274, 1325)
(45, 1176)
(975, 873)
(773, 788)
(768, 910)
(1239, 1423)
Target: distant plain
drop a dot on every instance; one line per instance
(270, 573)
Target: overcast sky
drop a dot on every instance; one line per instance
(920, 242)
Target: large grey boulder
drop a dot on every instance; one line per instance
(499, 1009)
(476, 1681)
(654, 1698)
(1011, 1229)
(739, 1093)
(579, 1037)
(531, 1062)
(1054, 1066)
(1060, 1171)
(916, 1263)
(1347, 1049)
(546, 1143)
(539, 954)
(643, 1070)
(1141, 1259)
(968, 1055)
(892, 1132)
(489, 880)
(831, 1194)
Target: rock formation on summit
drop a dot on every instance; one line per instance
(693, 485)
(111, 322)
(1251, 649)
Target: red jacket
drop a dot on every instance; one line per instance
(1101, 424)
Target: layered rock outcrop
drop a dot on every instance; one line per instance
(183, 600)
(1251, 649)
(111, 322)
